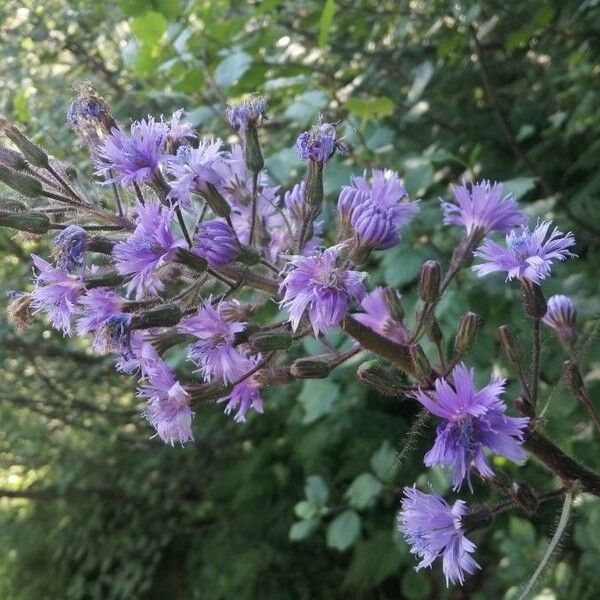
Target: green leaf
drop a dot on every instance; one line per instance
(317, 397)
(305, 510)
(418, 176)
(316, 490)
(149, 27)
(383, 462)
(307, 106)
(415, 586)
(232, 67)
(422, 77)
(20, 106)
(370, 108)
(343, 530)
(363, 491)
(325, 22)
(438, 478)
(303, 529)
(519, 186)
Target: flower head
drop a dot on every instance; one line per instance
(178, 131)
(433, 529)
(561, 316)
(317, 286)
(168, 409)
(249, 114)
(192, 169)
(377, 317)
(216, 242)
(99, 305)
(528, 254)
(56, 293)
(484, 207)
(88, 114)
(374, 227)
(472, 420)
(244, 395)
(149, 248)
(139, 355)
(69, 248)
(319, 144)
(136, 157)
(215, 353)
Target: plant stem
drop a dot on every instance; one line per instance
(535, 373)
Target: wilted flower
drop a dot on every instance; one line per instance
(560, 316)
(317, 286)
(215, 353)
(178, 131)
(56, 293)
(528, 255)
(377, 316)
(483, 208)
(319, 144)
(126, 159)
(168, 409)
(69, 248)
(149, 248)
(248, 114)
(473, 420)
(216, 242)
(433, 529)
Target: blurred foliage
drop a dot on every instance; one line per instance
(299, 502)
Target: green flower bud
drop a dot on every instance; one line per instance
(248, 256)
(32, 152)
(25, 221)
(265, 341)
(166, 315)
(510, 344)
(465, 334)
(20, 182)
(429, 281)
(420, 362)
(217, 203)
(192, 260)
(533, 299)
(310, 368)
(393, 304)
(12, 160)
(206, 392)
(384, 378)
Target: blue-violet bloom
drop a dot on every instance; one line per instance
(377, 317)
(69, 248)
(561, 316)
(216, 242)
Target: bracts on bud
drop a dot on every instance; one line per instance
(166, 315)
(429, 281)
(386, 379)
(465, 334)
(534, 301)
(31, 222)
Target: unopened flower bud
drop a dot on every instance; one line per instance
(276, 376)
(525, 497)
(215, 200)
(429, 281)
(534, 301)
(385, 379)
(191, 259)
(32, 152)
(166, 315)
(310, 368)
(206, 392)
(420, 361)
(560, 317)
(393, 304)
(510, 344)
(20, 182)
(265, 341)
(478, 518)
(19, 311)
(234, 311)
(25, 221)
(465, 334)
(101, 244)
(524, 407)
(12, 160)
(167, 339)
(105, 279)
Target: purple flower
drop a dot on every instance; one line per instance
(319, 144)
(433, 529)
(248, 114)
(377, 317)
(69, 248)
(483, 208)
(99, 305)
(560, 316)
(215, 353)
(115, 335)
(193, 168)
(473, 420)
(374, 209)
(149, 248)
(140, 355)
(245, 395)
(178, 131)
(56, 293)
(315, 285)
(216, 242)
(126, 159)
(528, 255)
(374, 227)
(168, 409)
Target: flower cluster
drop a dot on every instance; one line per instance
(200, 248)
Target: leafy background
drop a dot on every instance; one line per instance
(299, 502)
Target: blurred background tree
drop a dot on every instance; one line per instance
(299, 502)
